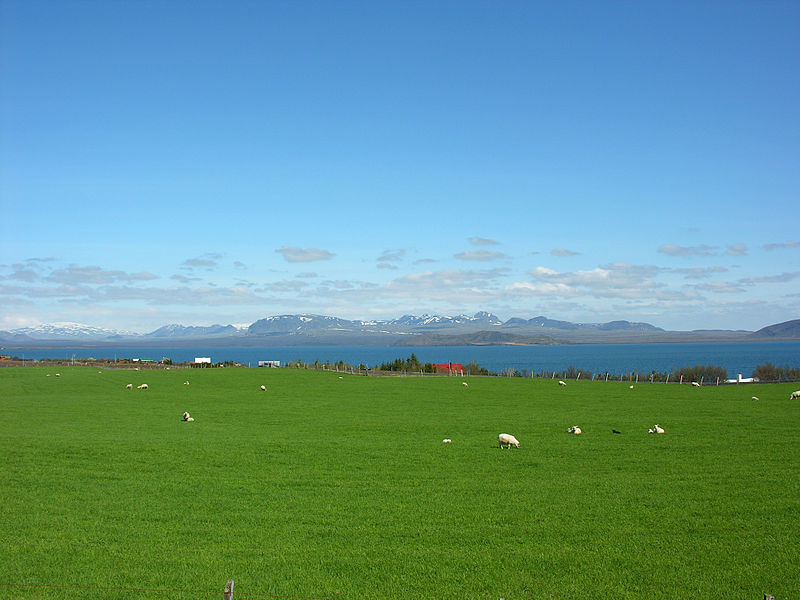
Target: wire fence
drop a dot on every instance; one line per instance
(226, 592)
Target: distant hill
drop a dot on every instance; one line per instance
(789, 330)
(481, 338)
(482, 328)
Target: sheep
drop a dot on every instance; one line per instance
(465, 384)
(507, 439)
(657, 429)
(615, 431)
(185, 383)
(755, 398)
(794, 395)
(263, 388)
(447, 441)
(562, 382)
(58, 374)
(144, 386)
(630, 386)
(575, 429)
(129, 386)
(187, 418)
(695, 384)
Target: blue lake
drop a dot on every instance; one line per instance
(735, 357)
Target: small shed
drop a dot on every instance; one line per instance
(273, 364)
(202, 360)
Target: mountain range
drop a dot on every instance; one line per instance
(482, 328)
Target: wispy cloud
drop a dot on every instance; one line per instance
(388, 266)
(782, 278)
(736, 250)
(391, 256)
(780, 246)
(479, 241)
(699, 272)
(479, 255)
(92, 274)
(674, 250)
(295, 255)
(563, 252)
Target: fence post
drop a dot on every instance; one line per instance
(229, 590)
(681, 381)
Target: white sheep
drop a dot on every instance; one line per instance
(794, 395)
(129, 386)
(187, 417)
(562, 382)
(58, 374)
(630, 386)
(695, 384)
(263, 388)
(575, 429)
(465, 384)
(185, 383)
(507, 439)
(755, 398)
(447, 441)
(144, 386)
(658, 428)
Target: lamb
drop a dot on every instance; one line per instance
(447, 441)
(794, 395)
(144, 386)
(507, 439)
(185, 383)
(695, 384)
(263, 388)
(187, 418)
(562, 382)
(575, 429)
(129, 386)
(465, 384)
(656, 429)
(755, 398)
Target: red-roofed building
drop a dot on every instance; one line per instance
(449, 368)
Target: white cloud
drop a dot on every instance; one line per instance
(95, 275)
(391, 256)
(293, 254)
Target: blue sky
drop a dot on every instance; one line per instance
(219, 162)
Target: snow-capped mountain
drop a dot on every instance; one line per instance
(69, 330)
(181, 331)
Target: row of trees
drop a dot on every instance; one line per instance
(704, 373)
(769, 372)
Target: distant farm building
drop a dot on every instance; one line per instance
(274, 364)
(449, 369)
(202, 360)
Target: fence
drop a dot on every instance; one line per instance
(227, 592)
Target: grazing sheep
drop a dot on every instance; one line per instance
(657, 428)
(794, 395)
(507, 439)
(755, 398)
(630, 386)
(129, 386)
(185, 383)
(187, 418)
(575, 429)
(465, 384)
(562, 382)
(58, 374)
(447, 441)
(144, 386)
(695, 384)
(263, 388)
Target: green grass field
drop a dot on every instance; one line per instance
(332, 488)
